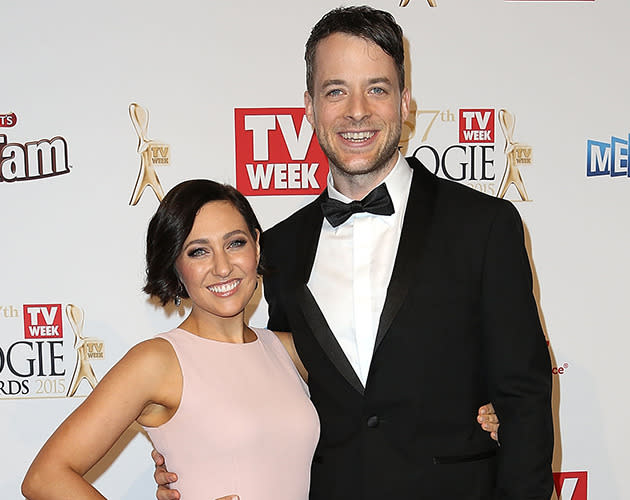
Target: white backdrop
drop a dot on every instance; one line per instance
(70, 236)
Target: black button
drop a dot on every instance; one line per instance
(372, 422)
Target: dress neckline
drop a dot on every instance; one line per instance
(222, 342)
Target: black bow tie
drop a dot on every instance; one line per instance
(376, 202)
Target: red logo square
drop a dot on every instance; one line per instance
(571, 485)
(42, 321)
(277, 153)
(476, 125)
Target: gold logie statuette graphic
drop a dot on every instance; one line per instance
(87, 349)
(516, 154)
(432, 3)
(152, 154)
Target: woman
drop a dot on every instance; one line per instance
(212, 388)
(223, 402)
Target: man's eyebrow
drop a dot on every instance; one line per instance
(380, 79)
(371, 81)
(328, 83)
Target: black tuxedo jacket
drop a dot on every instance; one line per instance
(459, 328)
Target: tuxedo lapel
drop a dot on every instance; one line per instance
(309, 238)
(324, 335)
(418, 215)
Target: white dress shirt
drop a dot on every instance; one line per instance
(353, 266)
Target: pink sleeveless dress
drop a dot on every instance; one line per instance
(245, 424)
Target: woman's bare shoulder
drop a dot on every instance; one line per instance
(155, 354)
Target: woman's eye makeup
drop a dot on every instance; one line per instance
(239, 242)
(195, 252)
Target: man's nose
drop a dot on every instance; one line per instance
(358, 107)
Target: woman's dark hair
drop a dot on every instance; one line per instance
(371, 24)
(171, 225)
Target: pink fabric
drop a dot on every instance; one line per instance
(245, 424)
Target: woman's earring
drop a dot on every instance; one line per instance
(180, 289)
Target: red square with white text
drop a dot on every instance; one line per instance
(571, 485)
(476, 125)
(42, 321)
(277, 153)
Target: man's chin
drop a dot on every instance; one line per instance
(362, 167)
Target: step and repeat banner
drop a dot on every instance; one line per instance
(104, 107)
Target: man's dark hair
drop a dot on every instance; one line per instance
(171, 225)
(371, 24)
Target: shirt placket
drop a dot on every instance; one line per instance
(362, 293)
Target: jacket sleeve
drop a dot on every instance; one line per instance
(272, 286)
(518, 363)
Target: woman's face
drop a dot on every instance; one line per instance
(218, 261)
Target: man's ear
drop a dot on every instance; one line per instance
(308, 108)
(405, 99)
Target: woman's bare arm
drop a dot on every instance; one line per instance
(287, 340)
(128, 392)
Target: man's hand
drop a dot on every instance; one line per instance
(488, 420)
(163, 478)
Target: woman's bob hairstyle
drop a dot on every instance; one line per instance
(171, 225)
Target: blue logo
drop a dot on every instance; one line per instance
(607, 158)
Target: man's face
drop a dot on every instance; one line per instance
(356, 109)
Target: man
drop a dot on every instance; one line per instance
(406, 319)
